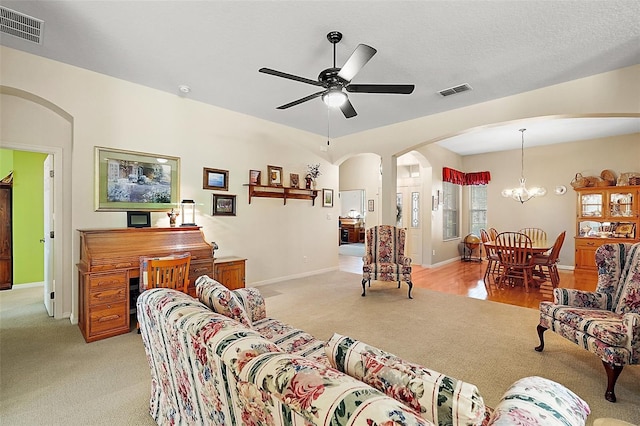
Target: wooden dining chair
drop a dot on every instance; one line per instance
(493, 261)
(516, 256)
(536, 234)
(548, 263)
(493, 233)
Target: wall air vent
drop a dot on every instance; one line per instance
(20, 25)
(453, 90)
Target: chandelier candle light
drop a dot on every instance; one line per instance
(521, 193)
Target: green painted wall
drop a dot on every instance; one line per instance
(28, 215)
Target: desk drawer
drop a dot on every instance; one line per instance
(112, 280)
(110, 318)
(108, 295)
(198, 269)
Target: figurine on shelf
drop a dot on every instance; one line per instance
(173, 215)
(307, 180)
(313, 171)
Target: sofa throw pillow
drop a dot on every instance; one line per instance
(221, 300)
(539, 401)
(438, 398)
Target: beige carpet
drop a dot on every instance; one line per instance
(49, 375)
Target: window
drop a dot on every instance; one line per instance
(450, 213)
(415, 209)
(477, 208)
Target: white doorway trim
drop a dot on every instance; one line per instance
(58, 230)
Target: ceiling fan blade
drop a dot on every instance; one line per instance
(348, 110)
(301, 100)
(289, 76)
(356, 61)
(399, 89)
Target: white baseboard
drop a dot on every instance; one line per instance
(444, 262)
(27, 285)
(291, 277)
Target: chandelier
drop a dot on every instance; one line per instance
(521, 193)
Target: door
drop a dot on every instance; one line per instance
(414, 230)
(48, 234)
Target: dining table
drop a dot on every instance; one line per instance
(537, 247)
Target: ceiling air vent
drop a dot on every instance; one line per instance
(20, 25)
(453, 90)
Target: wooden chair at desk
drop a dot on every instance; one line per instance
(168, 272)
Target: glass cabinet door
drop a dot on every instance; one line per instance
(591, 205)
(620, 204)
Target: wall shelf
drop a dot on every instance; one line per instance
(282, 192)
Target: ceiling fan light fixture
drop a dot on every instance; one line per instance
(334, 98)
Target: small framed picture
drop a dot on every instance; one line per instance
(215, 179)
(370, 205)
(275, 175)
(327, 197)
(294, 180)
(224, 205)
(255, 177)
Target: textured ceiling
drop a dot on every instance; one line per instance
(500, 48)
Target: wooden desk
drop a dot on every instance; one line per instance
(110, 262)
(351, 230)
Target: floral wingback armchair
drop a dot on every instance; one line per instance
(607, 321)
(384, 259)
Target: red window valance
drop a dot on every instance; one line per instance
(462, 178)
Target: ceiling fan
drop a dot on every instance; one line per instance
(334, 79)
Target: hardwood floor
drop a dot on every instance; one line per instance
(465, 279)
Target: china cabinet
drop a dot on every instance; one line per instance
(604, 215)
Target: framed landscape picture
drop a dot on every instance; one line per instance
(327, 197)
(215, 179)
(224, 205)
(129, 180)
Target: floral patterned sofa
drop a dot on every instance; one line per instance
(220, 361)
(607, 321)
